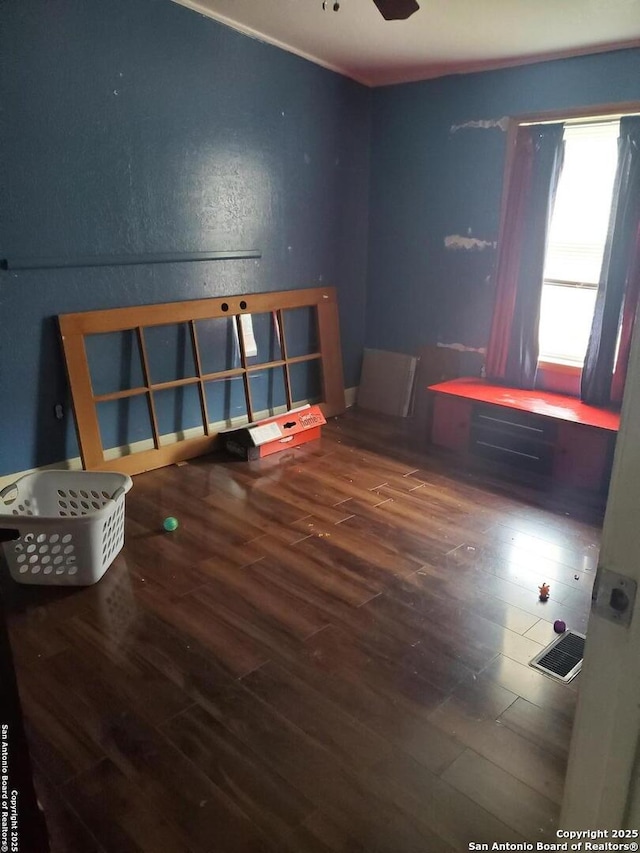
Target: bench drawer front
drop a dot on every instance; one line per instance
(513, 438)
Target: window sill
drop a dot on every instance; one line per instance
(560, 367)
(558, 376)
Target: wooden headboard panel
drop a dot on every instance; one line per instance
(76, 329)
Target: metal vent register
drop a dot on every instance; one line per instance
(562, 659)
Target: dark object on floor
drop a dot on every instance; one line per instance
(544, 591)
(9, 534)
(559, 626)
(396, 10)
(562, 659)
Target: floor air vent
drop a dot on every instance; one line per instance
(562, 659)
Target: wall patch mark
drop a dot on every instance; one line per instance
(462, 348)
(457, 241)
(484, 124)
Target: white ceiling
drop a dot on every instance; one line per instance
(443, 37)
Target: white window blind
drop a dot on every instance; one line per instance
(583, 203)
(576, 240)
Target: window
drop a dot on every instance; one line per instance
(576, 241)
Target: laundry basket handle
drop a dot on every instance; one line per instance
(7, 490)
(122, 490)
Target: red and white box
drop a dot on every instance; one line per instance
(293, 428)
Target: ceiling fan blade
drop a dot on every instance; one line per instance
(396, 10)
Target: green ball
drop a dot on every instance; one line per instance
(170, 524)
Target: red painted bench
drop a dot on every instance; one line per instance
(538, 431)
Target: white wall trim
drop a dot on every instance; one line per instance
(350, 396)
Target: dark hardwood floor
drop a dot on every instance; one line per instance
(330, 654)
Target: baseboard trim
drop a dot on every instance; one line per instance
(75, 464)
(350, 396)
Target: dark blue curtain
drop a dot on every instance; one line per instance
(617, 263)
(547, 159)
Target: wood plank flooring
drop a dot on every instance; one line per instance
(329, 654)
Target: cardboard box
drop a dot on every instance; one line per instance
(387, 382)
(255, 441)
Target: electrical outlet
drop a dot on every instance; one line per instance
(613, 596)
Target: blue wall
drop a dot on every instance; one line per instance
(140, 126)
(429, 182)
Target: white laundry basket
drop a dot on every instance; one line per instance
(70, 525)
